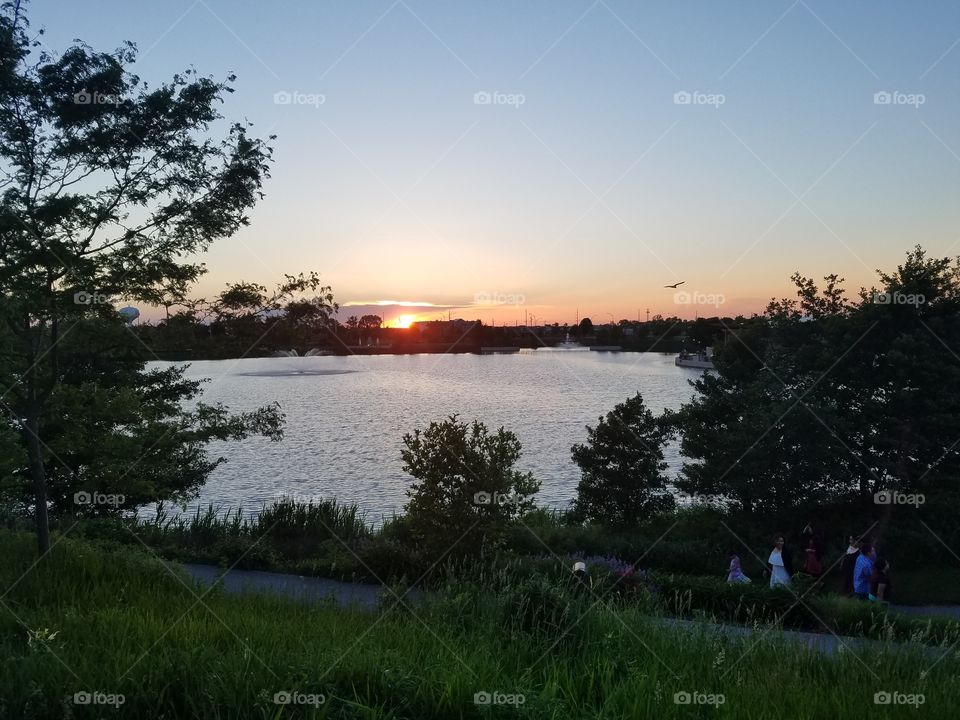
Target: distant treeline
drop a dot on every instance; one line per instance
(190, 335)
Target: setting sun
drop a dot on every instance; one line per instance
(405, 321)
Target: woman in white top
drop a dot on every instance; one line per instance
(780, 565)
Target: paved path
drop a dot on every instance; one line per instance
(950, 611)
(296, 586)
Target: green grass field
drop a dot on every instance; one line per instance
(111, 621)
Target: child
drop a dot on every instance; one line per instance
(735, 573)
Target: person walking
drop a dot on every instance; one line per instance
(781, 565)
(847, 565)
(880, 587)
(863, 571)
(811, 561)
(580, 580)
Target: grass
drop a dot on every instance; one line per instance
(330, 539)
(108, 618)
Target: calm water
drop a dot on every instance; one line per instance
(346, 416)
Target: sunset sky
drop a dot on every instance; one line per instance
(493, 159)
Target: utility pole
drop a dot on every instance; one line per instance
(648, 314)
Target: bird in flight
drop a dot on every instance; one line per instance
(675, 285)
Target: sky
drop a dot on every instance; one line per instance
(562, 159)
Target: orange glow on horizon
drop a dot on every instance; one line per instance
(405, 321)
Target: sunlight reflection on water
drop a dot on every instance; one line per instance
(345, 420)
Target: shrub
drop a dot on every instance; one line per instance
(466, 489)
(686, 596)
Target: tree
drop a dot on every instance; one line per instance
(622, 466)
(371, 322)
(585, 327)
(466, 489)
(824, 399)
(297, 312)
(108, 187)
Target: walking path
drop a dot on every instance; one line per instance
(299, 587)
(950, 611)
(369, 597)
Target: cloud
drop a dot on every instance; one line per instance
(390, 309)
(398, 303)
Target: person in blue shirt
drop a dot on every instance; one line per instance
(863, 571)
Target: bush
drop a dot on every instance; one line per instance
(749, 603)
(466, 490)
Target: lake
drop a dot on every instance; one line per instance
(346, 417)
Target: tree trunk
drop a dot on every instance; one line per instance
(39, 482)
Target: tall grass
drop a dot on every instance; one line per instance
(103, 617)
(284, 518)
(285, 535)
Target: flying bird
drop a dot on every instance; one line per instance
(675, 285)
